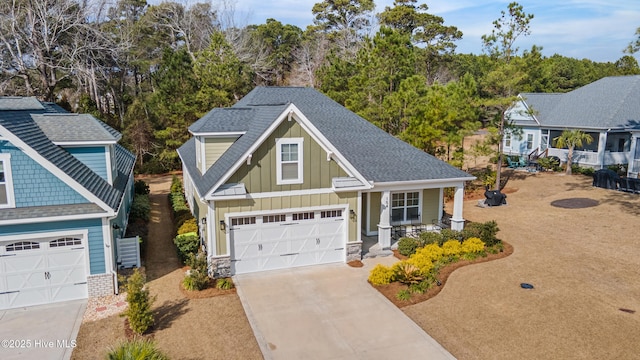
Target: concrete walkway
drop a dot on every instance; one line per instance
(330, 312)
(46, 332)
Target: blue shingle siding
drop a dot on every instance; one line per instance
(34, 185)
(94, 227)
(94, 157)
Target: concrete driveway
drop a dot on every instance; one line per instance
(46, 332)
(330, 312)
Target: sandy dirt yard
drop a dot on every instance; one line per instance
(583, 263)
(206, 328)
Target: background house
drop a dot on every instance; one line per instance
(287, 177)
(66, 187)
(607, 109)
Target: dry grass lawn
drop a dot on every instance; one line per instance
(583, 263)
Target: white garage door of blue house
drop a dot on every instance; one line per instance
(42, 271)
(277, 241)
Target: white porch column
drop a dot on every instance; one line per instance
(602, 145)
(457, 222)
(632, 170)
(384, 227)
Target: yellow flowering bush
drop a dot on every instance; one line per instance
(381, 275)
(472, 245)
(432, 251)
(422, 262)
(452, 248)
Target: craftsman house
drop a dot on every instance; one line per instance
(287, 177)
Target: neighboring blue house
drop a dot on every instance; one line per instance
(607, 109)
(66, 188)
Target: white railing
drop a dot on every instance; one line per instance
(590, 157)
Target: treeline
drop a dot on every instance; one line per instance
(152, 70)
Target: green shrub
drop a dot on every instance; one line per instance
(176, 185)
(141, 188)
(140, 208)
(488, 231)
(197, 278)
(422, 286)
(407, 246)
(380, 275)
(186, 244)
(139, 311)
(403, 295)
(224, 284)
(430, 237)
(136, 349)
(448, 234)
(188, 226)
(549, 163)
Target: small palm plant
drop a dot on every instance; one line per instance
(570, 139)
(136, 350)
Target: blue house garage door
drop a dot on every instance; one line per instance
(279, 241)
(42, 271)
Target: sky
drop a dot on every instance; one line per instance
(598, 30)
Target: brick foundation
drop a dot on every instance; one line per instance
(100, 285)
(219, 267)
(354, 251)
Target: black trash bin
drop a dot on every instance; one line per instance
(606, 179)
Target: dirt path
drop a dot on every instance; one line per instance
(582, 262)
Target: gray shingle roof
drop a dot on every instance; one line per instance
(22, 125)
(378, 156)
(20, 103)
(609, 103)
(50, 210)
(74, 128)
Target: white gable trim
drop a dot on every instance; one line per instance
(37, 220)
(16, 141)
(309, 128)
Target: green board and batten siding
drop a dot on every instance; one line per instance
(214, 148)
(260, 175)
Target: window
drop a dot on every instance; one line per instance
(23, 245)
(243, 221)
(289, 161)
(529, 141)
(65, 242)
(331, 214)
(274, 218)
(303, 216)
(6, 186)
(405, 207)
(507, 140)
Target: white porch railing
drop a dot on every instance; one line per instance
(590, 157)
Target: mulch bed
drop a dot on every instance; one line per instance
(210, 291)
(391, 290)
(575, 203)
(355, 263)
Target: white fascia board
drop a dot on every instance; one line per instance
(421, 184)
(350, 189)
(84, 143)
(219, 134)
(52, 219)
(16, 141)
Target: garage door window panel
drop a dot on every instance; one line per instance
(22, 245)
(289, 161)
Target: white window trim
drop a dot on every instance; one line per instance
(526, 144)
(8, 181)
(279, 143)
(405, 221)
(507, 140)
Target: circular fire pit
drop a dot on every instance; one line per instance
(575, 203)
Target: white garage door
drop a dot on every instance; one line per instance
(42, 271)
(278, 241)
